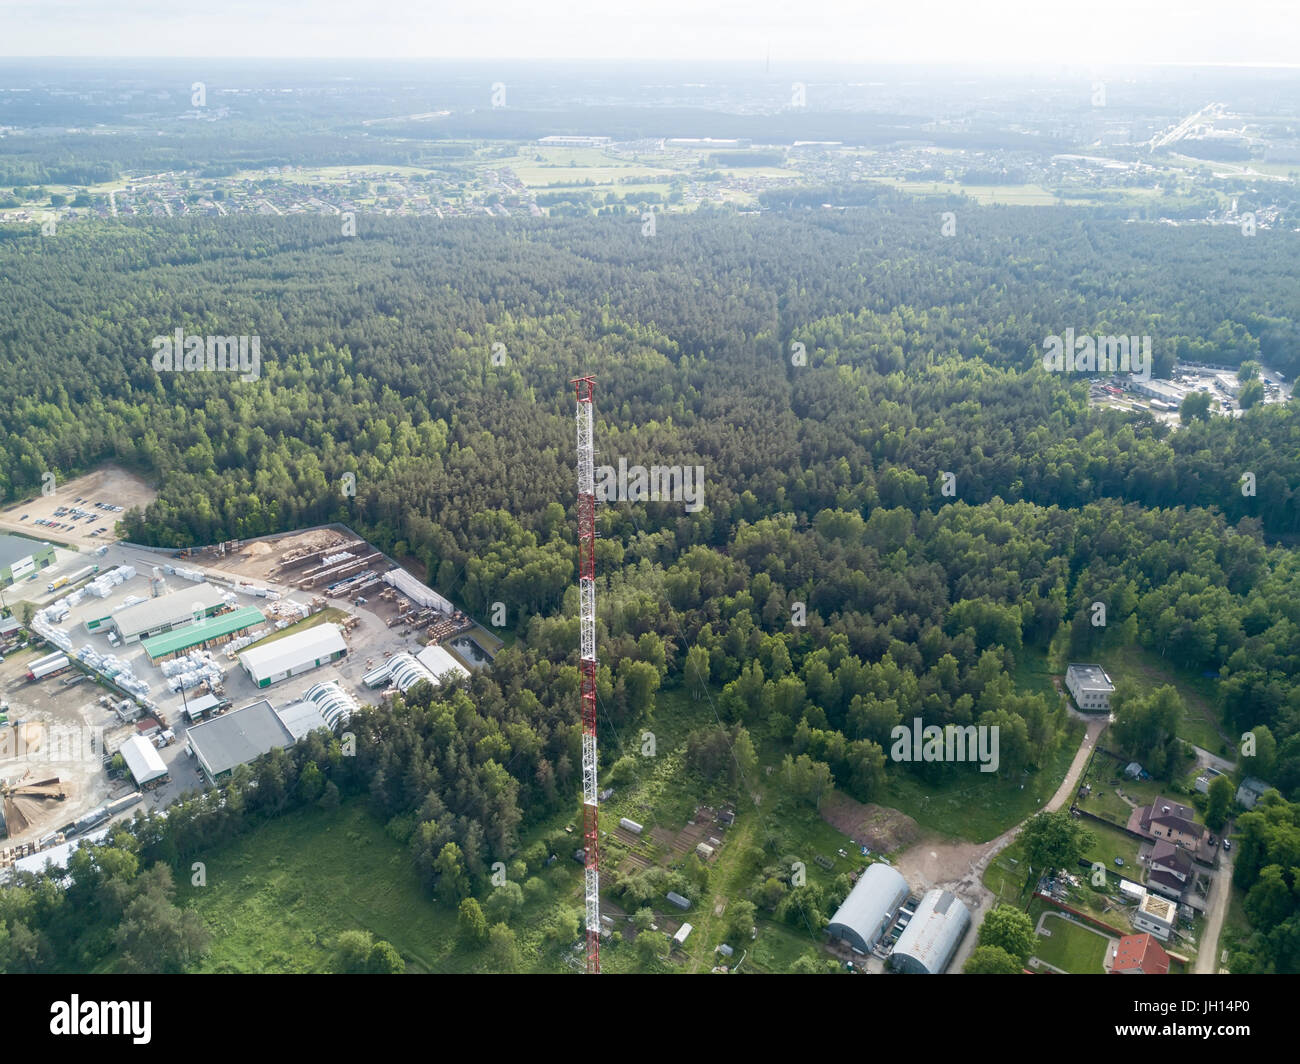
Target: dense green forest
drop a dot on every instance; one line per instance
(930, 503)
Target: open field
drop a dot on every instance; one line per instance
(278, 897)
(975, 806)
(1071, 946)
(541, 167)
(1199, 725)
(1114, 796)
(1112, 843)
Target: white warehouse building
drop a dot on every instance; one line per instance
(932, 936)
(439, 662)
(142, 760)
(294, 654)
(870, 907)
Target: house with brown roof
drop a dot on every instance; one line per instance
(1166, 819)
(1139, 955)
(1169, 870)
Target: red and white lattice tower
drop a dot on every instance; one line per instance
(586, 387)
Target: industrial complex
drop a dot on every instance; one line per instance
(182, 655)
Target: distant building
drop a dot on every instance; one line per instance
(1227, 383)
(932, 936)
(1162, 390)
(1139, 955)
(1090, 687)
(674, 897)
(869, 908)
(574, 142)
(1251, 791)
(20, 557)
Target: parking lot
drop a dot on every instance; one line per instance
(76, 511)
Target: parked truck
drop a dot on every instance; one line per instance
(51, 665)
(72, 578)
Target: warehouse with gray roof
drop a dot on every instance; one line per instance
(162, 614)
(870, 907)
(236, 738)
(20, 558)
(932, 936)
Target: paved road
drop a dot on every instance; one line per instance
(1207, 956)
(1204, 758)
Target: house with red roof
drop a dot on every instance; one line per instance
(1139, 955)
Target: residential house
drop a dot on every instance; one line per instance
(1251, 791)
(1169, 870)
(1169, 820)
(1139, 955)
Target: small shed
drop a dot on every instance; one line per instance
(683, 933)
(678, 900)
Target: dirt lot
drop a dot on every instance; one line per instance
(56, 741)
(255, 560)
(877, 826)
(109, 484)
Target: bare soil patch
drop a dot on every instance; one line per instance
(877, 826)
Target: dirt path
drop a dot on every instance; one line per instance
(959, 866)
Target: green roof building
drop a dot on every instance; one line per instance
(211, 632)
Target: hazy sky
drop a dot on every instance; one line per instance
(1004, 32)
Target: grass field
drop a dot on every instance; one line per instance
(1199, 724)
(540, 167)
(1071, 946)
(1112, 843)
(980, 807)
(276, 899)
(1008, 195)
(1105, 778)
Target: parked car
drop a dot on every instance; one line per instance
(1227, 844)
